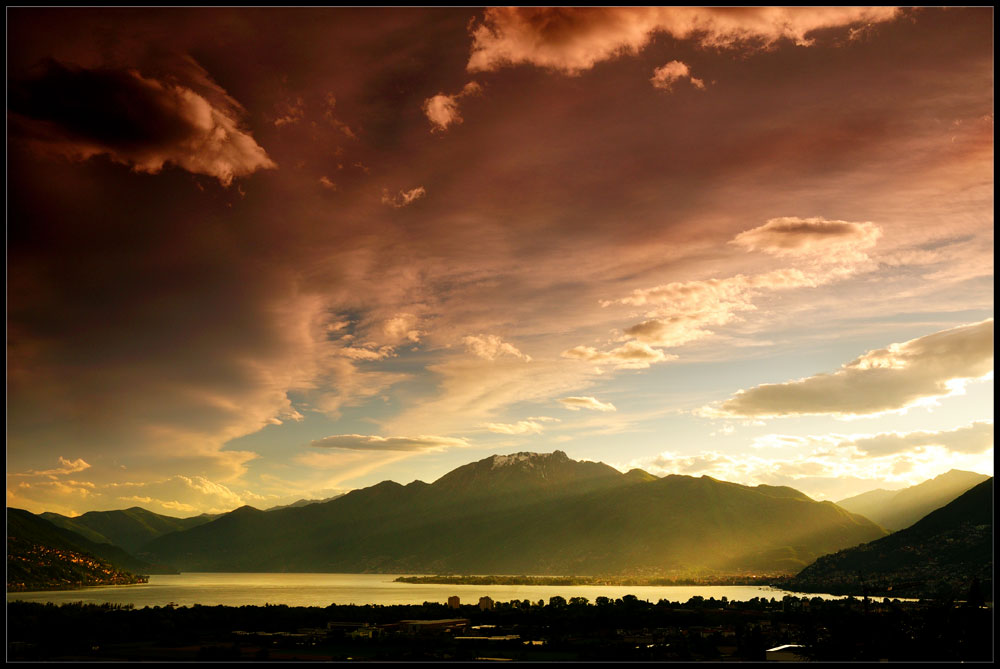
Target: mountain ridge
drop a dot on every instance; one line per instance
(898, 509)
(528, 513)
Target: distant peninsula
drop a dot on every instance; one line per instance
(493, 579)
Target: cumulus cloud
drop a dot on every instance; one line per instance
(666, 76)
(403, 198)
(442, 110)
(491, 347)
(571, 40)
(894, 378)
(140, 121)
(631, 355)
(790, 236)
(362, 442)
(577, 403)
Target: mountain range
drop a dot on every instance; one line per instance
(943, 554)
(537, 513)
(898, 509)
(528, 513)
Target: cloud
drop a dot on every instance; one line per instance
(491, 347)
(179, 493)
(402, 328)
(531, 425)
(442, 110)
(666, 76)
(361, 442)
(291, 112)
(577, 403)
(631, 355)
(68, 467)
(325, 182)
(571, 40)
(883, 380)
(974, 438)
(827, 466)
(140, 121)
(371, 353)
(404, 198)
(681, 310)
(832, 241)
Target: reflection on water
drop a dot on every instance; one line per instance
(324, 589)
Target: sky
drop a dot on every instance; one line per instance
(261, 255)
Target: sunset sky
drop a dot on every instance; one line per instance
(258, 255)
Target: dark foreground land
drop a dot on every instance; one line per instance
(623, 629)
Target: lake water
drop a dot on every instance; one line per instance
(212, 589)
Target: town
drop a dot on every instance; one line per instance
(792, 628)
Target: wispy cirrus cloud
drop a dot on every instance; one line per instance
(819, 251)
(884, 380)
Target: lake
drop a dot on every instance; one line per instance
(240, 589)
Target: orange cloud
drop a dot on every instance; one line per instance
(890, 379)
(442, 110)
(571, 40)
(665, 77)
(404, 198)
(577, 403)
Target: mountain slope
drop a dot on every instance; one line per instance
(129, 528)
(528, 513)
(940, 554)
(41, 555)
(896, 509)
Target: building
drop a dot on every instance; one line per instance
(433, 626)
(454, 602)
(485, 604)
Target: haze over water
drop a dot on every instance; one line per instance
(242, 589)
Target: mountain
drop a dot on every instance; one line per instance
(940, 555)
(129, 528)
(41, 555)
(528, 513)
(297, 503)
(896, 509)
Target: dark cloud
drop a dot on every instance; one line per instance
(139, 121)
